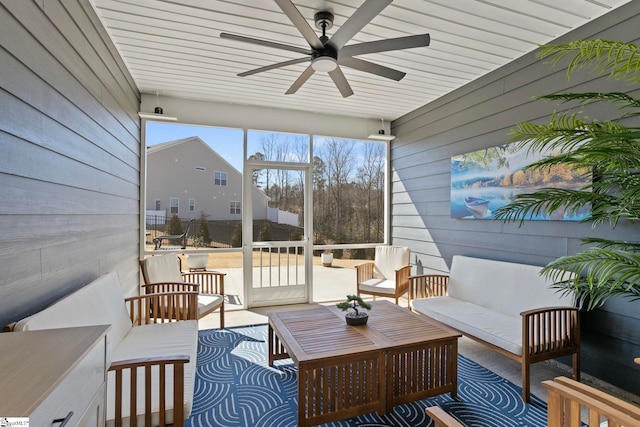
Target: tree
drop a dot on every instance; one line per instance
(264, 234)
(608, 148)
(203, 230)
(236, 238)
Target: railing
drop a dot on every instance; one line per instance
(278, 264)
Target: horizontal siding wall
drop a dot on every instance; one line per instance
(70, 143)
(480, 115)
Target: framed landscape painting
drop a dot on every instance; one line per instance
(484, 180)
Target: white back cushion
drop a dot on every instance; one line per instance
(388, 259)
(163, 268)
(505, 287)
(101, 302)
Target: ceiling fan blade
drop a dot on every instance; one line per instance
(370, 67)
(273, 66)
(301, 24)
(341, 82)
(265, 43)
(361, 17)
(300, 80)
(398, 43)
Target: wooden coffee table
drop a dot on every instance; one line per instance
(345, 371)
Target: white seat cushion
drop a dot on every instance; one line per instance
(378, 286)
(506, 287)
(101, 302)
(162, 268)
(207, 301)
(156, 340)
(388, 259)
(471, 319)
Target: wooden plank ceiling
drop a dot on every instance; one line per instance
(173, 47)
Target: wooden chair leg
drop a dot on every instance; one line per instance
(526, 374)
(576, 366)
(222, 316)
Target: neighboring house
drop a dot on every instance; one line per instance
(187, 177)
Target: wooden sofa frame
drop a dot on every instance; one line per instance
(175, 306)
(547, 333)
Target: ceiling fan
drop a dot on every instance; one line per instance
(327, 54)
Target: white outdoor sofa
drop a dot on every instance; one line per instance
(158, 331)
(506, 306)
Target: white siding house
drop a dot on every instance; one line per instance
(187, 177)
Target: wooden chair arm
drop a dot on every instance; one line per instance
(428, 285)
(402, 279)
(364, 272)
(441, 418)
(162, 307)
(567, 397)
(163, 364)
(211, 282)
(550, 329)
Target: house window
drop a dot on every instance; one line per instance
(234, 208)
(220, 178)
(192, 205)
(173, 202)
(157, 205)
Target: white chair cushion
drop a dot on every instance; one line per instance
(377, 285)
(156, 340)
(206, 301)
(388, 259)
(471, 319)
(508, 288)
(163, 268)
(101, 302)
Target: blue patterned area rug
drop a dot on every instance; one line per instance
(235, 387)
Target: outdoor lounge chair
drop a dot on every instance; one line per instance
(163, 273)
(182, 237)
(388, 275)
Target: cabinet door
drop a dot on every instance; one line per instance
(94, 417)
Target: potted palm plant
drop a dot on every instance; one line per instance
(355, 317)
(610, 149)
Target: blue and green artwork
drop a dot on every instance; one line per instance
(484, 180)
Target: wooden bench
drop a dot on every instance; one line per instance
(506, 306)
(568, 400)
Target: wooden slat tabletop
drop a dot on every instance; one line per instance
(321, 332)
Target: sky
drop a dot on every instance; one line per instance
(225, 141)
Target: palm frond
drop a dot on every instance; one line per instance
(545, 201)
(617, 245)
(585, 98)
(598, 274)
(619, 60)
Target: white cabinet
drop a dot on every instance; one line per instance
(55, 377)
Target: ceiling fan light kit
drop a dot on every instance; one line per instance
(328, 54)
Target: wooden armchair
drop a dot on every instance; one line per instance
(441, 418)
(163, 273)
(569, 399)
(387, 275)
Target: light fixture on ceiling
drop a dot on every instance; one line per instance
(381, 135)
(157, 113)
(324, 63)
(158, 109)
